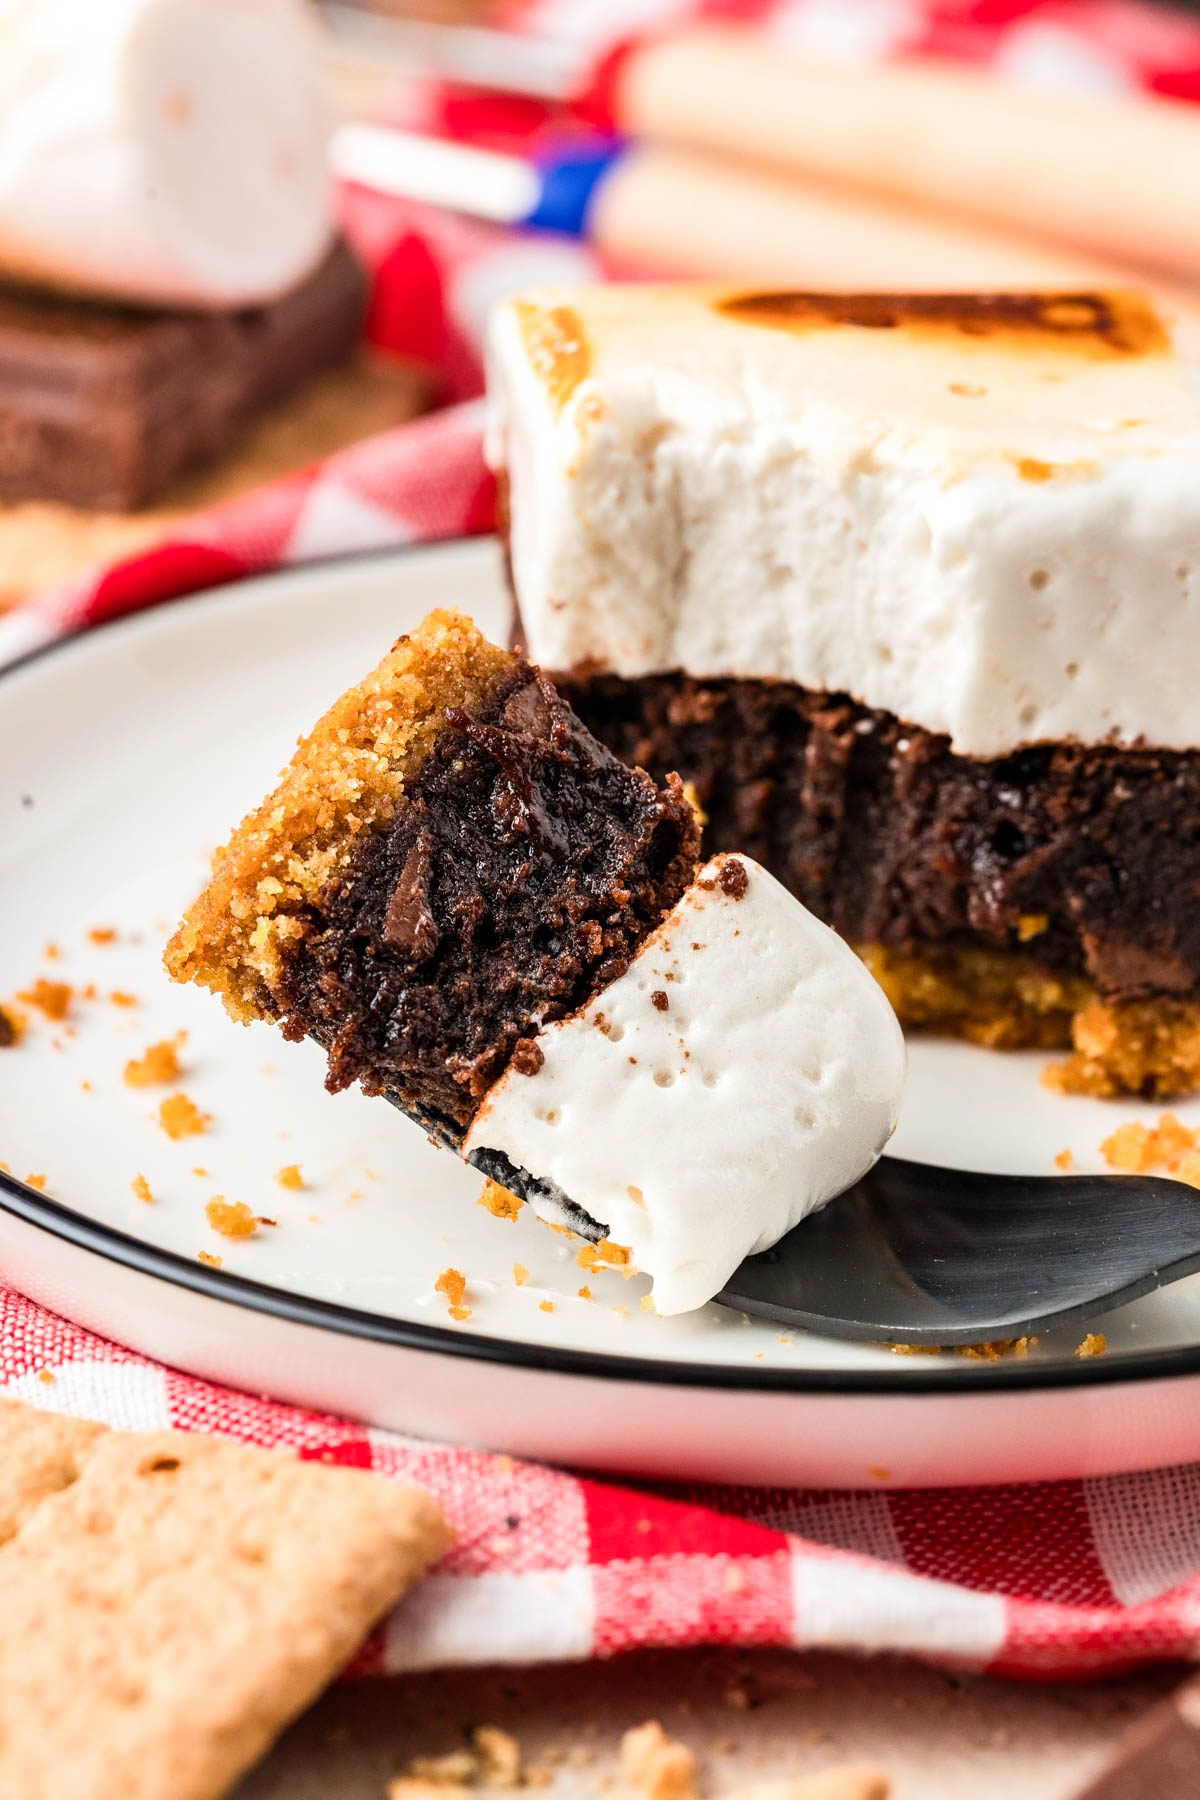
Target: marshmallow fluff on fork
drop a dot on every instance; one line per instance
(482, 914)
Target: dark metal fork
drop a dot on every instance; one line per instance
(916, 1254)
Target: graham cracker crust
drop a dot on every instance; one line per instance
(1005, 1001)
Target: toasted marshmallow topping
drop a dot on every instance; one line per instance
(742, 1071)
(981, 514)
(163, 151)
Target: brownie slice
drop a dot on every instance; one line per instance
(103, 406)
(450, 862)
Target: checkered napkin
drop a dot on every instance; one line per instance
(1063, 1579)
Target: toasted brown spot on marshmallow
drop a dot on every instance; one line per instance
(1116, 324)
(557, 348)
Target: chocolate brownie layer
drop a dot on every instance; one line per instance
(103, 406)
(524, 869)
(1086, 859)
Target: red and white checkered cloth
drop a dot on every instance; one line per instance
(1065, 1579)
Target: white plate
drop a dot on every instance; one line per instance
(125, 756)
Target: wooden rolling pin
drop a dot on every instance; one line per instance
(1118, 177)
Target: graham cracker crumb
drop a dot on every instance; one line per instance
(36, 1181)
(998, 1347)
(1064, 1160)
(583, 1293)
(453, 1283)
(1138, 1149)
(141, 1188)
(120, 998)
(499, 1201)
(160, 1064)
(661, 1766)
(206, 1256)
(231, 1218)
(499, 1756)
(520, 1274)
(53, 998)
(648, 1305)
(102, 934)
(289, 1176)
(1145, 1047)
(545, 1306)
(181, 1117)
(1094, 1344)
(605, 1255)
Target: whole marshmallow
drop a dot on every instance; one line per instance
(170, 152)
(744, 1070)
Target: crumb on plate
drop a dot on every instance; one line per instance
(36, 1181)
(1064, 1160)
(180, 1117)
(102, 934)
(159, 1065)
(53, 998)
(120, 998)
(1094, 1344)
(231, 1218)
(141, 1188)
(998, 1347)
(1138, 1149)
(605, 1255)
(499, 1201)
(289, 1176)
(662, 1767)
(520, 1274)
(453, 1283)
(206, 1256)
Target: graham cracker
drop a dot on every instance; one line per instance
(171, 1602)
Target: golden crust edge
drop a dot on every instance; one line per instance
(346, 777)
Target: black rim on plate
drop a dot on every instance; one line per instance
(953, 1375)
